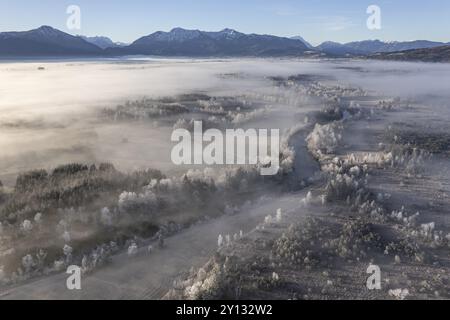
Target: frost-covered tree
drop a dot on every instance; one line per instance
(27, 226)
(66, 236)
(309, 197)
(324, 138)
(220, 241)
(132, 249)
(275, 276)
(279, 215)
(58, 265)
(62, 226)
(28, 263)
(41, 255)
(38, 218)
(2, 273)
(228, 240)
(67, 250)
(161, 240)
(85, 264)
(106, 217)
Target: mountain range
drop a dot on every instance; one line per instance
(228, 42)
(47, 41)
(375, 46)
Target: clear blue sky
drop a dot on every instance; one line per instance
(315, 20)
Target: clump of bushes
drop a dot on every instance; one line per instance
(48, 205)
(145, 109)
(155, 108)
(419, 138)
(324, 139)
(300, 243)
(71, 185)
(29, 180)
(69, 169)
(406, 248)
(357, 239)
(230, 278)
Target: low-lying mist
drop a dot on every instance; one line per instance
(51, 116)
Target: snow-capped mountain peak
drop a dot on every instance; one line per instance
(306, 43)
(227, 34)
(102, 42)
(46, 31)
(180, 34)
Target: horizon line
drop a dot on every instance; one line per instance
(226, 28)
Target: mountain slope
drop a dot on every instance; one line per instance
(44, 41)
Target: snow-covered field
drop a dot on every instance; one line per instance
(366, 158)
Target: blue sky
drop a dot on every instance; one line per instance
(315, 20)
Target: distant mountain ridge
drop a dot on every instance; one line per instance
(227, 42)
(47, 41)
(44, 41)
(435, 54)
(375, 46)
(337, 49)
(102, 42)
